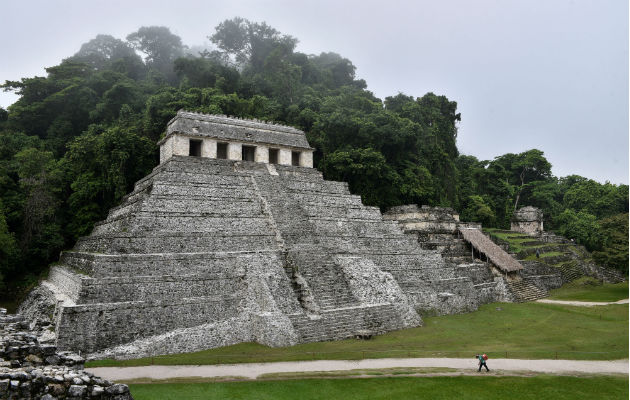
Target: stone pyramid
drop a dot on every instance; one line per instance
(211, 250)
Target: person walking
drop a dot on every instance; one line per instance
(482, 361)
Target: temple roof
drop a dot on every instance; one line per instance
(235, 129)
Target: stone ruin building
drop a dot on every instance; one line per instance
(494, 274)
(234, 237)
(528, 220)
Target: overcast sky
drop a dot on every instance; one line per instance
(546, 74)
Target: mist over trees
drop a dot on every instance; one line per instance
(77, 139)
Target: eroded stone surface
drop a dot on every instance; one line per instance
(211, 252)
(528, 220)
(31, 368)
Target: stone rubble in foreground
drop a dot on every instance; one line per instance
(32, 368)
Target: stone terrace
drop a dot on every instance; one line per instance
(246, 244)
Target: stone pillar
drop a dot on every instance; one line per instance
(528, 220)
(209, 148)
(181, 145)
(262, 154)
(166, 150)
(306, 159)
(284, 157)
(235, 151)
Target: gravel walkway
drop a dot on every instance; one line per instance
(252, 371)
(582, 303)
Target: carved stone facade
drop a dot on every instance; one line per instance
(528, 220)
(217, 136)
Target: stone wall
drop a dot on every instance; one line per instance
(467, 280)
(32, 368)
(210, 129)
(528, 220)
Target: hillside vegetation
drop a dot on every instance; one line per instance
(78, 138)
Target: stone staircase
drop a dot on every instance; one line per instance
(524, 290)
(574, 261)
(325, 220)
(570, 271)
(611, 276)
(343, 323)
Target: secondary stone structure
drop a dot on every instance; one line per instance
(495, 274)
(528, 220)
(234, 237)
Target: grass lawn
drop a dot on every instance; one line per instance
(516, 240)
(502, 330)
(588, 289)
(400, 388)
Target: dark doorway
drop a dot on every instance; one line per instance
(222, 151)
(273, 156)
(248, 153)
(195, 148)
(295, 158)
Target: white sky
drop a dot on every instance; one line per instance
(546, 74)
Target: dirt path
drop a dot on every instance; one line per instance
(252, 371)
(582, 303)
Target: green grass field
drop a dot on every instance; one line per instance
(400, 388)
(588, 289)
(502, 330)
(515, 239)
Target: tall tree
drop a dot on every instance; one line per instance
(249, 43)
(160, 46)
(103, 51)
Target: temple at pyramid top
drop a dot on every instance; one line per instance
(221, 137)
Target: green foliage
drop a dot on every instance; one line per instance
(250, 43)
(202, 73)
(101, 166)
(106, 52)
(8, 248)
(597, 199)
(477, 210)
(614, 242)
(366, 172)
(160, 47)
(581, 226)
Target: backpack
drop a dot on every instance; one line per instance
(485, 357)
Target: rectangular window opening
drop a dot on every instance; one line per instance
(248, 153)
(273, 156)
(222, 151)
(295, 158)
(194, 149)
